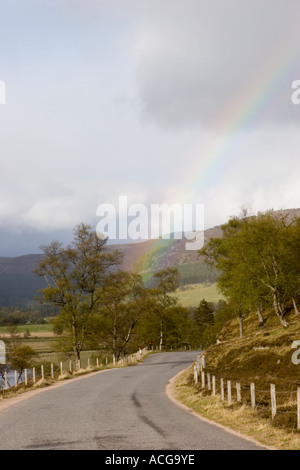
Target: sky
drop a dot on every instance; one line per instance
(164, 101)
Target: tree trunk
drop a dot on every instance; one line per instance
(278, 310)
(295, 306)
(241, 320)
(260, 317)
(161, 335)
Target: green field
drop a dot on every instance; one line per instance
(33, 329)
(191, 295)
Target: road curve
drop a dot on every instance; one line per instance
(120, 409)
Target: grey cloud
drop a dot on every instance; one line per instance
(197, 58)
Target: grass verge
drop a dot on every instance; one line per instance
(239, 418)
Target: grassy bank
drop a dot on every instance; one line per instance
(262, 356)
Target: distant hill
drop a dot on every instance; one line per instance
(18, 284)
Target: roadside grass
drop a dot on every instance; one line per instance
(263, 356)
(239, 418)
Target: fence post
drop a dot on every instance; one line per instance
(97, 362)
(42, 372)
(229, 391)
(273, 400)
(208, 381)
(195, 375)
(238, 392)
(70, 366)
(252, 389)
(16, 378)
(33, 374)
(222, 389)
(52, 375)
(298, 408)
(213, 385)
(61, 369)
(5, 380)
(203, 379)
(25, 376)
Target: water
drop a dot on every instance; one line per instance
(11, 378)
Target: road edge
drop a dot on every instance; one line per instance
(170, 392)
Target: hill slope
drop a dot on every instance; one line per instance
(263, 356)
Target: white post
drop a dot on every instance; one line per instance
(222, 389)
(195, 375)
(229, 392)
(88, 362)
(70, 366)
(252, 388)
(208, 381)
(25, 376)
(213, 385)
(5, 381)
(61, 369)
(16, 378)
(52, 375)
(203, 379)
(273, 400)
(238, 392)
(203, 361)
(33, 374)
(298, 408)
(97, 362)
(42, 372)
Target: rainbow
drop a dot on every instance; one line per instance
(258, 99)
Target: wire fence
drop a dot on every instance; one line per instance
(63, 369)
(269, 402)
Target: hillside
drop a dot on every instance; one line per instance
(263, 356)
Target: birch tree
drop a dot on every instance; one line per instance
(74, 278)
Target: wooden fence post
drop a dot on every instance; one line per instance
(252, 390)
(195, 375)
(213, 385)
(238, 392)
(298, 408)
(208, 381)
(229, 392)
(222, 389)
(203, 379)
(273, 400)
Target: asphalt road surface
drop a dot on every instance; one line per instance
(121, 409)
